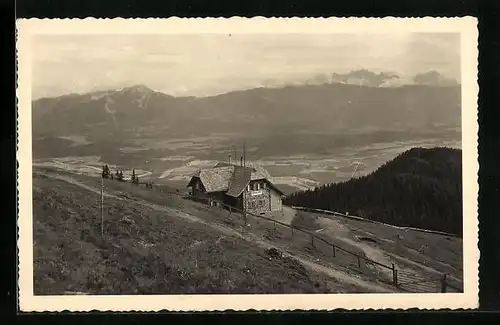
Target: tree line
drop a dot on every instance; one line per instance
(420, 188)
(118, 175)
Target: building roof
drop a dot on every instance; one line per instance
(215, 179)
(240, 179)
(231, 178)
(259, 173)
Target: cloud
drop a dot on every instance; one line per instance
(206, 64)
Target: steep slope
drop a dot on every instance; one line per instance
(213, 251)
(153, 248)
(419, 188)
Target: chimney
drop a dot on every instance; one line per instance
(241, 161)
(229, 159)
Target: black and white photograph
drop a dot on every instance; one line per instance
(252, 162)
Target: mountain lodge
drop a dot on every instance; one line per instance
(238, 186)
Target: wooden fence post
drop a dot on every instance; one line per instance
(333, 249)
(394, 275)
(312, 240)
(359, 261)
(443, 283)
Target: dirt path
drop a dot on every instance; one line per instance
(424, 267)
(340, 232)
(70, 180)
(435, 261)
(379, 255)
(84, 169)
(373, 253)
(232, 232)
(285, 216)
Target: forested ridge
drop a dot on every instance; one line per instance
(419, 188)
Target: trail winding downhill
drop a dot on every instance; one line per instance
(334, 228)
(251, 238)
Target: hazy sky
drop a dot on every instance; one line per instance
(203, 65)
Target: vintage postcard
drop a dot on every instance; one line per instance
(247, 163)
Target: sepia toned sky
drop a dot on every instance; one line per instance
(204, 65)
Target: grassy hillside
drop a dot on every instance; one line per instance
(148, 251)
(149, 233)
(419, 188)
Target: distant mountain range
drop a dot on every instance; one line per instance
(140, 111)
(419, 188)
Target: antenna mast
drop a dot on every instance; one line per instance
(244, 155)
(357, 163)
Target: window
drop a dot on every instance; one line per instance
(248, 188)
(258, 186)
(264, 185)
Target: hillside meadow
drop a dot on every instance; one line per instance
(144, 225)
(145, 251)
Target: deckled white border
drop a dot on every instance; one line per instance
(467, 26)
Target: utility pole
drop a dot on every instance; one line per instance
(244, 198)
(102, 207)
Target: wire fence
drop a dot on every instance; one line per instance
(276, 230)
(416, 283)
(407, 281)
